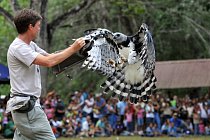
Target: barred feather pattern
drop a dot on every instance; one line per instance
(121, 88)
(147, 54)
(134, 79)
(103, 50)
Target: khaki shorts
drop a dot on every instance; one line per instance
(33, 125)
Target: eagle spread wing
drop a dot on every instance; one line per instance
(127, 61)
(103, 53)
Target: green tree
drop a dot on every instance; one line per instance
(47, 28)
(180, 29)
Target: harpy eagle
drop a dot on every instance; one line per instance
(127, 61)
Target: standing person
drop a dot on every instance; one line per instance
(157, 114)
(196, 119)
(121, 107)
(140, 119)
(88, 108)
(129, 120)
(149, 109)
(24, 58)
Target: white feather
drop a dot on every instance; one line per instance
(124, 94)
(132, 54)
(134, 73)
(124, 52)
(133, 95)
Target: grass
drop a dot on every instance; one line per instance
(136, 138)
(140, 138)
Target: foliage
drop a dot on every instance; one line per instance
(7, 34)
(4, 89)
(84, 80)
(56, 7)
(180, 30)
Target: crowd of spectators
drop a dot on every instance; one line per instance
(89, 114)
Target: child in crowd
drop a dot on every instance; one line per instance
(129, 120)
(92, 130)
(201, 128)
(156, 130)
(165, 127)
(172, 130)
(149, 130)
(140, 119)
(119, 127)
(207, 129)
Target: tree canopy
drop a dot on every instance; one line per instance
(180, 29)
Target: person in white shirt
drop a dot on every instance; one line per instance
(88, 108)
(24, 58)
(85, 127)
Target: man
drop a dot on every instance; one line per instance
(24, 58)
(177, 123)
(100, 109)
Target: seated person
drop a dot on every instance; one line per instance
(119, 127)
(165, 126)
(172, 130)
(100, 127)
(149, 130)
(9, 128)
(177, 122)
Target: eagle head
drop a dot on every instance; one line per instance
(121, 39)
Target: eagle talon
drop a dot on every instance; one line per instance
(111, 62)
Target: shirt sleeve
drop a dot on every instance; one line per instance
(38, 49)
(25, 54)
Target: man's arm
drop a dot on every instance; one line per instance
(53, 59)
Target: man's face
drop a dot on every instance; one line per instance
(35, 30)
(98, 98)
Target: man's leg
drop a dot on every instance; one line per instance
(32, 125)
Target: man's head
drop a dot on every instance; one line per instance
(175, 115)
(98, 96)
(25, 19)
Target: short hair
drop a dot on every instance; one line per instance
(24, 18)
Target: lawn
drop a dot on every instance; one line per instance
(135, 138)
(140, 138)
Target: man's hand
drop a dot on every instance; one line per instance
(56, 58)
(78, 44)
